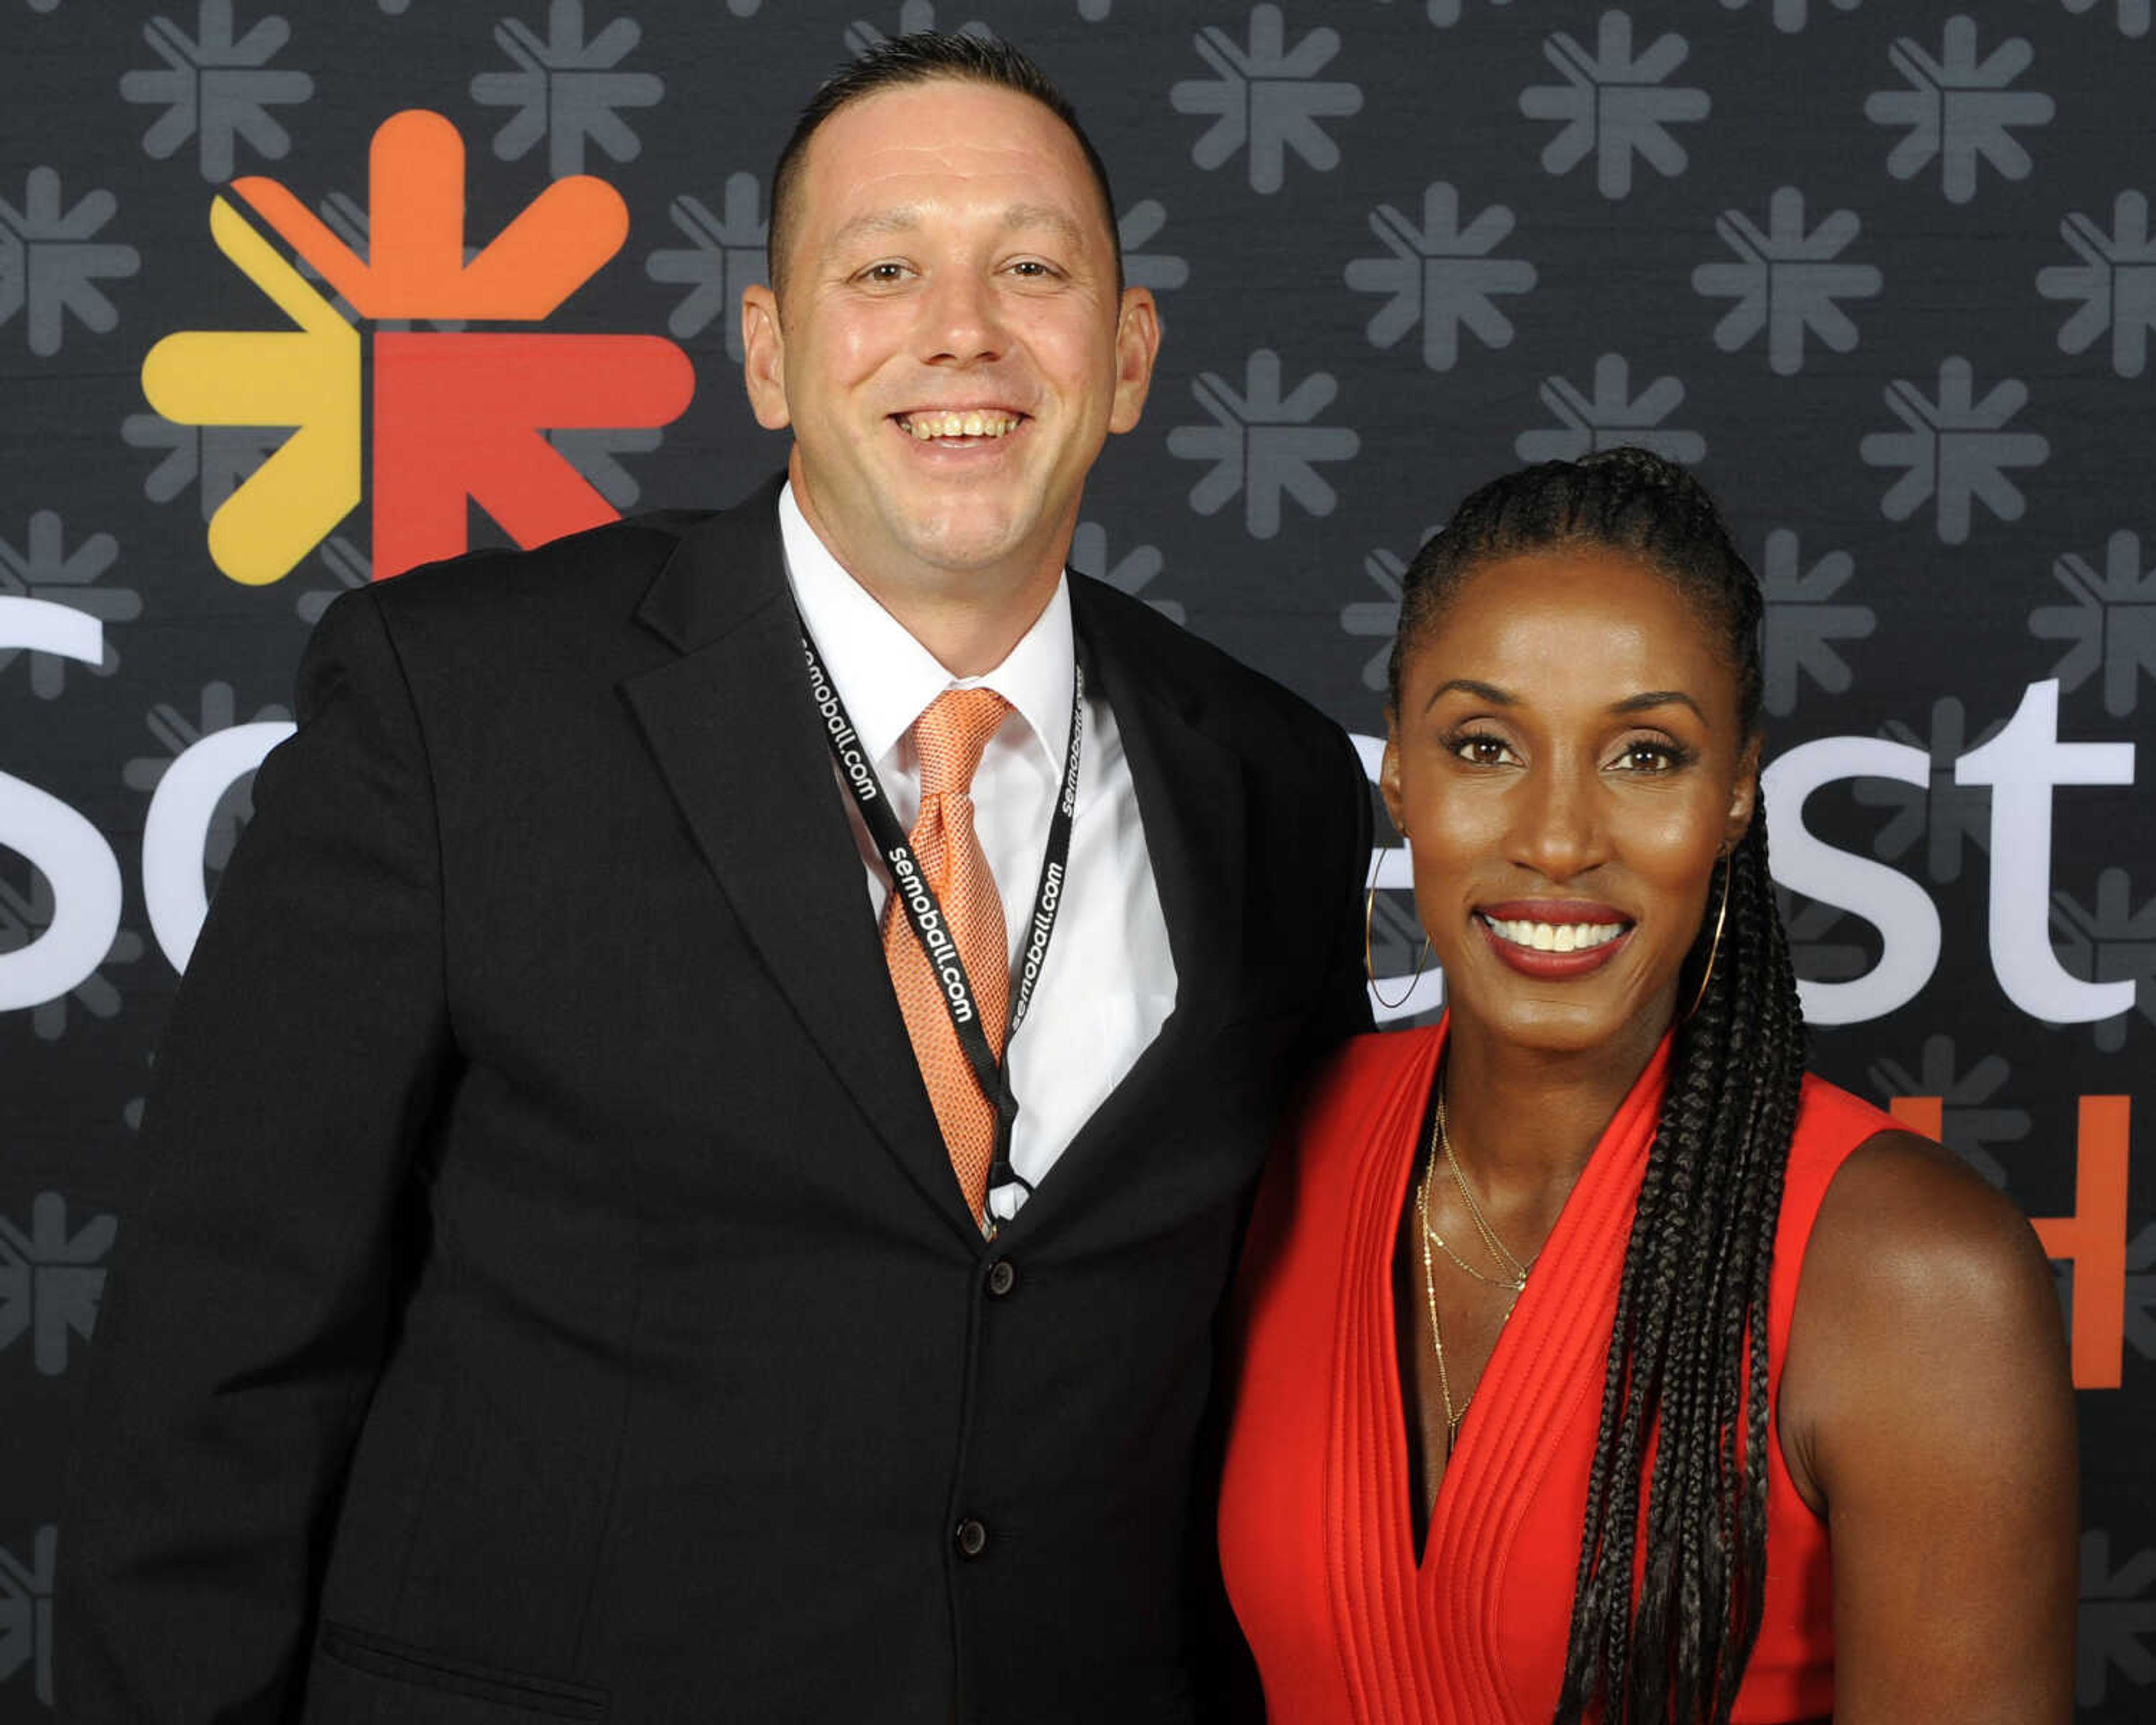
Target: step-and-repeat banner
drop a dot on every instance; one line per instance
(294, 294)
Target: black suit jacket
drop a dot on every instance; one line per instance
(554, 1300)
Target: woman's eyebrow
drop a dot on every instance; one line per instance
(1468, 685)
(1655, 697)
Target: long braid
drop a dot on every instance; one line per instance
(1663, 1624)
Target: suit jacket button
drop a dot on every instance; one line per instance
(972, 1537)
(1003, 1277)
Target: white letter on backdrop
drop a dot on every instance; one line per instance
(61, 845)
(2021, 765)
(178, 830)
(1908, 923)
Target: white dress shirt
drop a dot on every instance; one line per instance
(1108, 980)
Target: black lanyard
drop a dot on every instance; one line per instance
(910, 885)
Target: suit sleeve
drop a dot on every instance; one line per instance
(252, 1290)
(1343, 1006)
(1228, 1688)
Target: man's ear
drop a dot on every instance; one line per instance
(763, 358)
(1137, 344)
(1743, 796)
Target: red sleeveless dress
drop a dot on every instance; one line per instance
(1316, 1538)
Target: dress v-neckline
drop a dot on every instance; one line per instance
(1607, 1178)
(1403, 1529)
(1428, 1614)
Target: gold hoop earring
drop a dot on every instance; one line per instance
(1369, 975)
(1714, 947)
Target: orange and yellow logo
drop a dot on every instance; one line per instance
(453, 418)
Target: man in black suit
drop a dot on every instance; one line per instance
(567, 1291)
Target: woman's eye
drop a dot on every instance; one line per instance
(1648, 758)
(1481, 750)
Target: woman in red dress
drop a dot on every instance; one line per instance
(1596, 1362)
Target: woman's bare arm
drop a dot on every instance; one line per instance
(1927, 1406)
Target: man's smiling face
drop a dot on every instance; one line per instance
(952, 351)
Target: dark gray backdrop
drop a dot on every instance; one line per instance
(1883, 273)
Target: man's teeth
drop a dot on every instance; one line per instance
(1556, 937)
(971, 424)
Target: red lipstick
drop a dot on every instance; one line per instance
(1553, 966)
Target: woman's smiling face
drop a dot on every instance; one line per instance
(1567, 761)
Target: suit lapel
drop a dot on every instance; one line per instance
(740, 745)
(1189, 787)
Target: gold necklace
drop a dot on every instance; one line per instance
(1499, 1254)
(1437, 1139)
(1432, 1237)
(1452, 1419)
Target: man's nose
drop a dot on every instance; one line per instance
(960, 319)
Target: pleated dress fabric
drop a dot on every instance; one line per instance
(1316, 1530)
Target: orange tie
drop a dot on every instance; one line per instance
(950, 736)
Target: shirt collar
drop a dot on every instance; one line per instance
(887, 678)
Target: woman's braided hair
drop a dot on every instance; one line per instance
(1687, 1365)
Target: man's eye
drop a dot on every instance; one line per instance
(884, 272)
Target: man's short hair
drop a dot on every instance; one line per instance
(924, 57)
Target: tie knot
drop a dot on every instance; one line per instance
(951, 735)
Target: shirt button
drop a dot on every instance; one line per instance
(972, 1537)
(1003, 1277)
